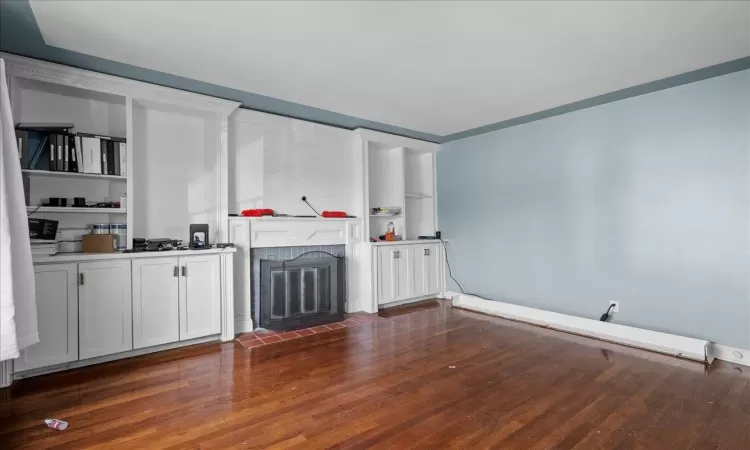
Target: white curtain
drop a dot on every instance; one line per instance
(18, 327)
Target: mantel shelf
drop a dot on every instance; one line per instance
(51, 173)
(65, 209)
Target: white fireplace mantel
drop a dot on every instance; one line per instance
(248, 233)
(299, 232)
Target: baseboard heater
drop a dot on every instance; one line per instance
(680, 346)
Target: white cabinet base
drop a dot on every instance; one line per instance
(105, 317)
(200, 296)
(113, 357)
(405, 272)
(156, 315)
(57, 318)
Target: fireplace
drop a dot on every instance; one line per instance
(302, 292)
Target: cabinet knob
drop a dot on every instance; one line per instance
(396, 254)
(176, 271)
(80, 277)
(184, 271)
(427, 252)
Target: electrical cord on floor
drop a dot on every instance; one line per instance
(605, 317)
(450, 273)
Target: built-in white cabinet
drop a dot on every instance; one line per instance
(407, 271)
(200, 296)
(393, 280)
(175, 299)
(426, 271)
(57, 318)
(156, 317)
(105, 319)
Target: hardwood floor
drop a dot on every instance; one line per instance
(431, 378)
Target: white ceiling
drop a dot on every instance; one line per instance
(434, 67)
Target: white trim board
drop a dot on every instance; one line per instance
(731, 354)
(680, 346)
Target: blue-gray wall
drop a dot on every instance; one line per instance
(645, 201)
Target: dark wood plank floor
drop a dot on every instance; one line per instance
(429, 378)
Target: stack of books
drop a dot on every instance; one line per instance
(53, 148)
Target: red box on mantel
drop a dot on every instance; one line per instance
(257, 212)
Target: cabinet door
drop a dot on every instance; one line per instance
(385, 275)
(417, 270)
(431, 268)
(402, 270)
(156, 310)
(104, 308)
(56, 288)
(393, 274)
(200, 296)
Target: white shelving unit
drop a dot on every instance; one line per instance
(49, 173)
(74, 210)
(399, 172)
(91, 111)
(176, 151)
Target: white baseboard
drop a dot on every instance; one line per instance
(734, 355)
(406, 302)
(115, 357)
(671, 344)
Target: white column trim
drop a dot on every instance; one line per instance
(6, 373)
(227, 297)
(222, 218)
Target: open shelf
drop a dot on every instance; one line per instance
(52, 173)
(386, 215)
(415, 195)
(67, 209)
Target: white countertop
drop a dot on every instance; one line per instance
(414, 241)
(76, 257)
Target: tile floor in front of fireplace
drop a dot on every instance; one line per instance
(265, 337)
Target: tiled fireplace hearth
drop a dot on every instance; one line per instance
(264, 337)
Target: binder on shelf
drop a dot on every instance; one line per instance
(116, 151)
(73, 155)
(52, 152)
(79, 154)
(60, 153)
(110, 158)
(22, 138)
(103, 152)
(41, 150)
(66, 153)
(92, 158)
(123, 159)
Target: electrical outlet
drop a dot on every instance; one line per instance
(616, 308)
